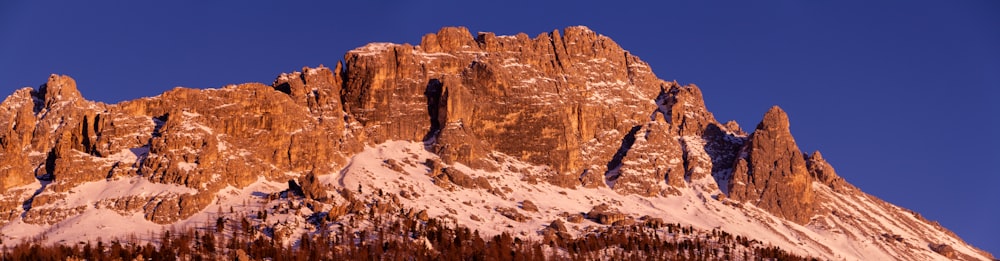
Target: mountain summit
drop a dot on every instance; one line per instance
(501, 134)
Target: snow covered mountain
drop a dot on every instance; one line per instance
(501, 134)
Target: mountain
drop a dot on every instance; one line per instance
(500, 134)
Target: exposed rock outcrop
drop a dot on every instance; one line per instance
(573, 101)
(570, 107)
(19, 115)
(824, 173)
(199, 139)
(945, 250)
(554, 94)
(652, 164)
(606, 215)
(773, 173)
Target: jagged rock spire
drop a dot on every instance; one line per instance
(773, 173)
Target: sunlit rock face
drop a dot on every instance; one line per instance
(527, 131)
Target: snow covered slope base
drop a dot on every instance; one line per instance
(402, 180)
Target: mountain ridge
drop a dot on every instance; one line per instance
(464, 98)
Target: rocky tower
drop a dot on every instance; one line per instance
(579, 109)
(772, 172)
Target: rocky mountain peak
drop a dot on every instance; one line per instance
(772, 172)
(774, 120)
(59, 88)
(686, 108)
(459, 127)
(472, 95)
(448, 39)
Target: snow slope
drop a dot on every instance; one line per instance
(854, 231)
(694, 207)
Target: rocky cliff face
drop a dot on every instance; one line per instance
(203, 140)
(563, 97)
(580, 110)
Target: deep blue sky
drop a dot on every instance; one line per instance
(900, 96)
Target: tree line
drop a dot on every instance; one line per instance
(409, 239)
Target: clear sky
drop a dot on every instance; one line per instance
(900, 96)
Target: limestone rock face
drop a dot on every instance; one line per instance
(555, 95)
(201, 140)
(709, 148)
(207, 140)
(571, 100)
(570, 108)
(18, 122)
(59, 89)
(686, 109)
(654, 156)
(44, 134)
(773, 174)
(318, 89)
